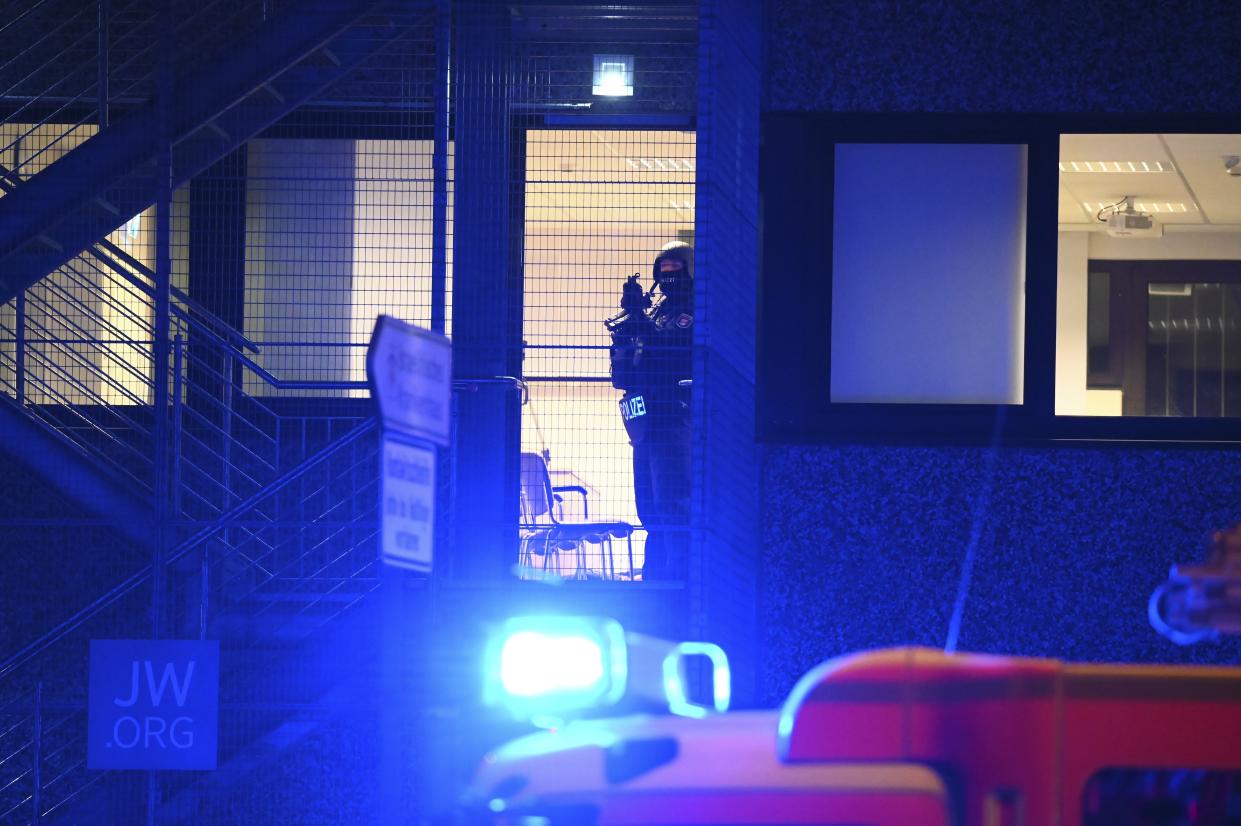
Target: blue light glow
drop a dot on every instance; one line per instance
(546, 668)
(674, 679)
(534, 663)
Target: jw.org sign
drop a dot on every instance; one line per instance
(154, 704)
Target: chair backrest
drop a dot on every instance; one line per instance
(536, 487)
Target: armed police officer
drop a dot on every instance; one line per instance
(651, 360)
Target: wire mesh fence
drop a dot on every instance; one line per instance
(600, 204)
(323, 195)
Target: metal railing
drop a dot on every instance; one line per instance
(67, 65)
(80, 365)
(292, 583)
(274, 516)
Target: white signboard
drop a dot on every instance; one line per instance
(408, 502)
(410, 372)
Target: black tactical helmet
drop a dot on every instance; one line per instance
(679, 251)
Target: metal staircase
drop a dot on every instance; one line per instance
(217, 106)
(284, 581)
(270, 527)
(274, 514)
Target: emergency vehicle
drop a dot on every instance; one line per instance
(889, 738)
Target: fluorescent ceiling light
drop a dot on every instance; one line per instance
(662, 164)
(1126, 167)
(1164, 207)
(613, 76)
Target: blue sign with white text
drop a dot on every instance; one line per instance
(154, 704)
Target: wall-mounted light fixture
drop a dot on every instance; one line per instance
(613, 76)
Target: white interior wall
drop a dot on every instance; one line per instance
(1071, 272)
(1187, 245)
(338, 232)
(393, 214)
(299, 257)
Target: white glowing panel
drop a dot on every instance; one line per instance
(534, 663)
(928, 273)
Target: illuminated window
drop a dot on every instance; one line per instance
(1149, 276)
(599, 205)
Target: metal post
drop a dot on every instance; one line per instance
(159, 345)
(20, 345)
(162, 311)
(101, 85)
(20, 320)
(439, 169)
(205, 591)
(226, 444)
(177, 411)
(37, 796)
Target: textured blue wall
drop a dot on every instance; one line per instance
(862, 545)
(1001, 55)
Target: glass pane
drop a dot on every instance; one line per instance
(928, 273)
(1129, 796)
(1193, 350)
(338, 232)
(1143, 218)
(1230, 348)
(1099, 323)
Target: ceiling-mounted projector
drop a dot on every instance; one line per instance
(1133, 225)
(1129, 223)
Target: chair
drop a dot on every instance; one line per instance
(544, 533)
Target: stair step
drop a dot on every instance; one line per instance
(246, 91)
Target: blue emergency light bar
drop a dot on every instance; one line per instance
(549, 668)
(539, 666)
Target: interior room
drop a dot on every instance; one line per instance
(1149, 298)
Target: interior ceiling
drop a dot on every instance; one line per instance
(626, 180)
(1194, 191)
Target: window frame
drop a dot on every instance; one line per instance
(796, 186)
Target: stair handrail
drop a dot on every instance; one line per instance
(231, 337)
(226, 329)
(34, 648)
(238, 342)
(17, 18)
(64, 102)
